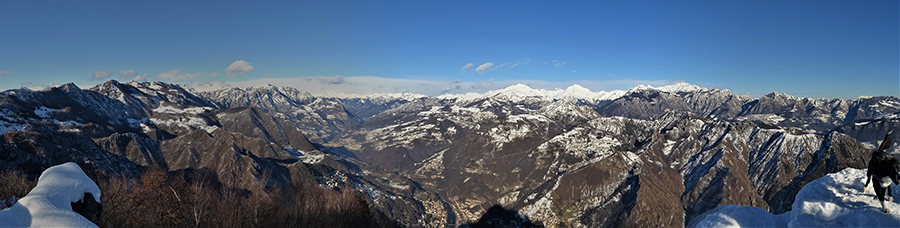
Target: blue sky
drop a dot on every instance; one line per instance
(832, 49)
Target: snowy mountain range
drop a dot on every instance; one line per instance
(564, 157)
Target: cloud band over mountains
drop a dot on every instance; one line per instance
(338, 85)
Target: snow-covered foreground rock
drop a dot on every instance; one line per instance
(49, 203)
(835, 200)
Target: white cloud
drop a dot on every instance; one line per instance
(466, 67)
(491, 66)
(176, 76)
(331, 80)
(209, 85)
(131, 75)
(525, 61)
(128, 74)
(197, 75)
(558, 64)
(484, 67)
(43, 87)
(337, 85)
(4, 72)
(511, 65)
(239, 67)
(171, 75)
(102, 74)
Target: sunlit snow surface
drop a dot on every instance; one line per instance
(835, 200)
(49, 203)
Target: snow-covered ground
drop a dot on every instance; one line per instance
(49, 203)
(835, 200)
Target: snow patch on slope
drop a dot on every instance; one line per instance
(173, 110)
(503, 134)
(4, 127)
(189, 123)
(835, 200)
(184, 118)
(45, 112)
(49, 203)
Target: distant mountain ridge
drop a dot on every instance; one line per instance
(565, 156)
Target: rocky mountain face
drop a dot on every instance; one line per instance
(562, 163)
(318, 117)
(121, 128)
(774, 109)
(41, 129)
(368, 106)
(870, 131)
(567, 157)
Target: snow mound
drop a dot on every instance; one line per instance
(835, 200)
(49, 203)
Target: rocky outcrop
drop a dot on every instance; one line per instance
(88, 207)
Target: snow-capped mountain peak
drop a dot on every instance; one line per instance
(263, 86)
(681, 87)
(577, 90)
(518, 90)
(641, 88)
(69, 87)
(521, 91)
(678, 87)
(378, 96)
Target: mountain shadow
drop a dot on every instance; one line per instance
(498, 217)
